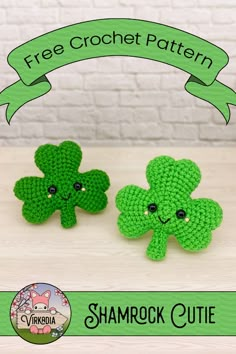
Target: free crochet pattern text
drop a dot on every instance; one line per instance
(114, 38)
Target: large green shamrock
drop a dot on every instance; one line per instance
(167, 208)
(63, 187)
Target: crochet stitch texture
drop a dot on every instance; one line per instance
(167, 208)
(62, 187)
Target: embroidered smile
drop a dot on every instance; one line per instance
(162, 221)
(68, 197)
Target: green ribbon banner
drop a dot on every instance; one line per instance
(118, 37)
(142, 313)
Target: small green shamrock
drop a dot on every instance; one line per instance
(167, 208)
(63, 187)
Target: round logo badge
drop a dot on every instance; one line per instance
(40, 313)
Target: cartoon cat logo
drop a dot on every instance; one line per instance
(40, 313)
(40, 303)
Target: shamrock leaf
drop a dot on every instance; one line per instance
(63, 187)
(167, 208)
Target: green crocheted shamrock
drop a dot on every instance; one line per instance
(167, 208)
(63, 187)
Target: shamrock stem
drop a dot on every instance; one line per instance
(157, 247)
(68, 217)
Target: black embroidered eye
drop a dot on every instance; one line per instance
(180, 214)
(77, 186)
(35, 307)
(152, 207)
(52, 190)
(45, 307)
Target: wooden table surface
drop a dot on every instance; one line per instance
(94, 256)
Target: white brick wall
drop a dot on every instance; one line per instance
(118, 100)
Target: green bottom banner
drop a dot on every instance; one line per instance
(136, 313)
